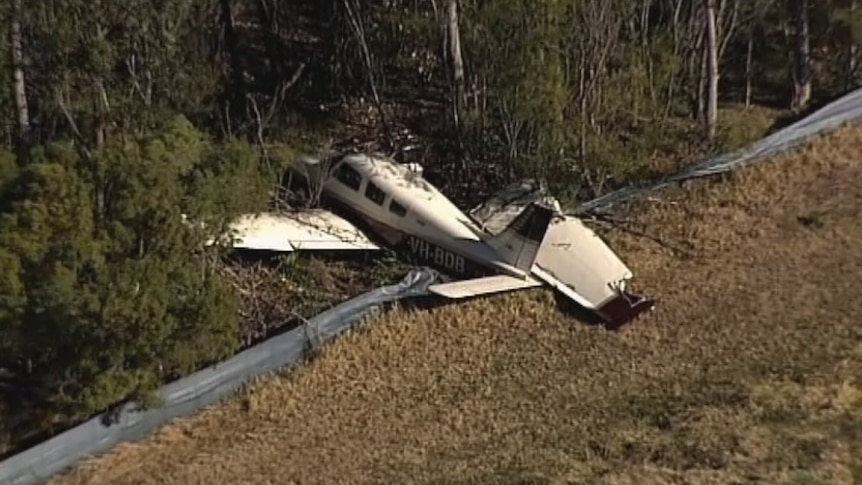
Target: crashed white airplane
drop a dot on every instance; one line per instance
(516, 240)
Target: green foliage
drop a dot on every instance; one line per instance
(739, 127)
(118, 66)
(516, 47)
(107, 291)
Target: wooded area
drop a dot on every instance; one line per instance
(119, 117)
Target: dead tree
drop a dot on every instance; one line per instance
(456, 60)
(712, 70)
(802, 58)
(852, 53)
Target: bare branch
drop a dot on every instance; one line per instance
(58, 96)
(358, 29)
(281, 93)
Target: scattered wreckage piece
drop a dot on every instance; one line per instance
(309, 230)
(517, 239)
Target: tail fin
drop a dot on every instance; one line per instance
(520, 241)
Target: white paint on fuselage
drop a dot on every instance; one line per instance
(429, 214)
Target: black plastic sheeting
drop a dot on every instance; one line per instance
(845, 110)
(209, 386)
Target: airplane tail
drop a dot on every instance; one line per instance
(519, 242)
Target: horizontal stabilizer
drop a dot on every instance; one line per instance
(482, 286)
(311, 230)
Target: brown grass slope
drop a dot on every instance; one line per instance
(749, 371)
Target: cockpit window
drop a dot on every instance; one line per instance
(374, 193)
(397, 209)
(349, 176)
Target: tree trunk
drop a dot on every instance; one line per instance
(851, 67)
(646, 54)
(457, 61)
(852, 51)
(670, 92)
(802, 64)
(18, 83)
(102, 105)
(749, 53)
(696, 50)
(582, 83)
(712, 70)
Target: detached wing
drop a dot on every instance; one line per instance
(483, 286)
(309, 230)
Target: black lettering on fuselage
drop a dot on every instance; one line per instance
(436, 255)
(420, 248)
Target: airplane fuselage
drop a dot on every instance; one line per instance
(418, 248)
(411, 215)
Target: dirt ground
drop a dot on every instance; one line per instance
(749, 370)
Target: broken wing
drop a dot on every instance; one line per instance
(309, 230)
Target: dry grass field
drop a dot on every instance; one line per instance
(749, 370)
